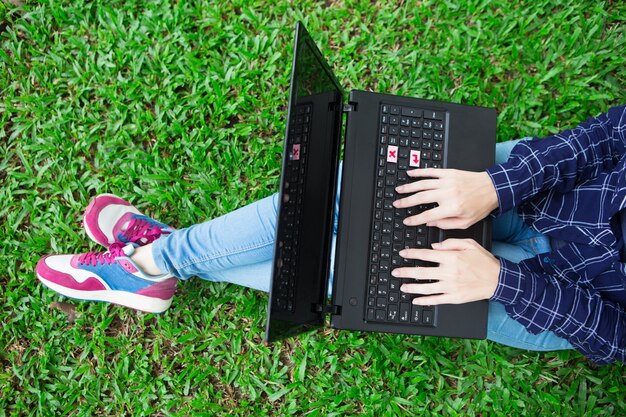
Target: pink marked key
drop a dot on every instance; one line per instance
(414, 160)
(295, 152)
(392, 154)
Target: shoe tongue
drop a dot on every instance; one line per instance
(124, 227)
(128, 250)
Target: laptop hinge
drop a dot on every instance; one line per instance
(327, 309)
(349, 107)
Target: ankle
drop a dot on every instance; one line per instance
(144, 260)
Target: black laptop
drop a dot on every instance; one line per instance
(385, 135)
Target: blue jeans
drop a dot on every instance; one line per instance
(238, 248)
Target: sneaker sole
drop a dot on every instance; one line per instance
(122, 298)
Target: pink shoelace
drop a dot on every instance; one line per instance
(95, 258)
(142, 230)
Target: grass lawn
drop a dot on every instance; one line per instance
(179, 106)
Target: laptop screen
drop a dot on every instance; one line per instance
(307, 193)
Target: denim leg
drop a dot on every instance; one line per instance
(237, 247)
(515, 241)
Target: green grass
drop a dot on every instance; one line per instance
(180, 107)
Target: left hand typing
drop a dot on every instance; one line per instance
(466, 272)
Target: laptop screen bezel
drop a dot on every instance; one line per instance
(277, 329)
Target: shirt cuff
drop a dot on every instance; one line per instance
(510, 283)
(500, 176)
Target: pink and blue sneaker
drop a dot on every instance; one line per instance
(112, 276)
(110, 219)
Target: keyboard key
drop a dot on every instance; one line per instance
(408, 111)
(393, 312)
(405, 311)
(394, 110)
(435, 115)
(427, 317)
(415, 314)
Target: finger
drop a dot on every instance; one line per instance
(427, 172)
(451, 223)
(426, 289)
(434, 300)
(428, 255)
(417, 186)
(413, 272)
(429, 216)
(423, 197)
(455, 244)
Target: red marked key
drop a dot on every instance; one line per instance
(414, 160)
(392, 154)
(295, 152)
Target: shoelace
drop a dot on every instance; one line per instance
(95, 258)
(142, 230)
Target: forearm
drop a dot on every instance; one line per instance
(541, 302)
(561, 161)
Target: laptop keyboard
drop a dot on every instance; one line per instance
(294, 176)
(409, 138)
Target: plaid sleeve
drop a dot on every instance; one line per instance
(561, 161)
(594, 326)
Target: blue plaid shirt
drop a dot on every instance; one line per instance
(570, 186)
